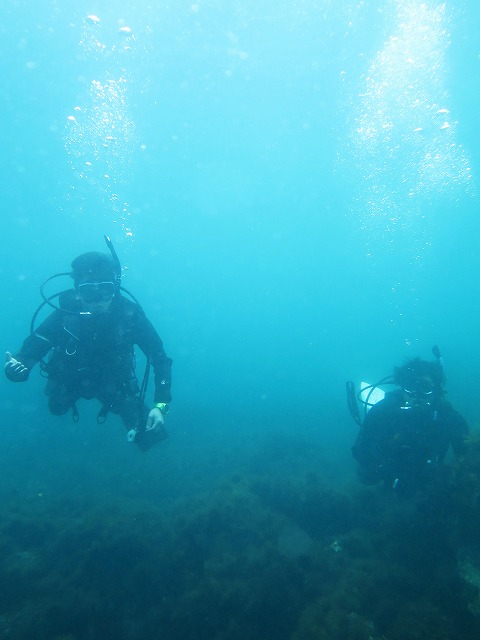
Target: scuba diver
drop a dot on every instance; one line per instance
(405, 437)
(89, 339)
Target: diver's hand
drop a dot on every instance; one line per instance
(154, 420)
(15, 370)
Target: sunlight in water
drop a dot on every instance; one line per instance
(100, 133)
(404, 137)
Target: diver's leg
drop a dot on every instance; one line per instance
(61, 398)
(133, 412)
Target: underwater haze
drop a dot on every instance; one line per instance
(292, 190)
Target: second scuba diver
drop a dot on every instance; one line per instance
(405, 437)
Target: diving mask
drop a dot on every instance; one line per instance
(419, 394)
(96, 291)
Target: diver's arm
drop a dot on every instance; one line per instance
(370, 448)
(151, 345)
(34, 348)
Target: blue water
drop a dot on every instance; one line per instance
(292, 189)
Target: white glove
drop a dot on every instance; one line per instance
(15, 370)
(155, 420)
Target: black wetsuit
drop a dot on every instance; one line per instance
(404, 446)
(92, 356)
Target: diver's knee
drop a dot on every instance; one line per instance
(58, 407)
